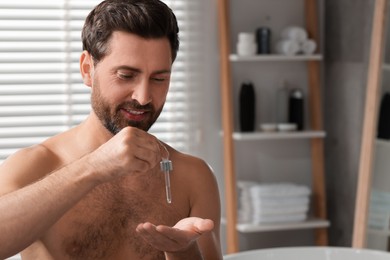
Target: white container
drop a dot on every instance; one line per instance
(268, 127)
(246, 37)
(310, 253)
(246, 45)
(287, 127)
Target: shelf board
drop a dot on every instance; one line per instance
(275, 57)
(239, 136)
(310, 223)
(379, 232)
(383, 142)
(386, 66)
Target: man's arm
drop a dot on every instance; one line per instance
(28, 212)
(32, 200)
(205, 203)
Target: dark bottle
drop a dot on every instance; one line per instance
(247, 107)
(296, 108)
(384, 114)
(263, 39)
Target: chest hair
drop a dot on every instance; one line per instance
(105, 221)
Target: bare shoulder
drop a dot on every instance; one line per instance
(191, 167)
(197, 178)
(26, 166)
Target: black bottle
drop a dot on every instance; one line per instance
(296, 108)
(384, 114)
(263, 39)
(247, 107)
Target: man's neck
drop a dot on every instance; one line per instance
(93, 131)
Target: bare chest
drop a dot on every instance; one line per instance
(102, 225)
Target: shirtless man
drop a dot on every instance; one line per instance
(96, 191)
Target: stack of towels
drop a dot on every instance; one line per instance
(294, 40)
(379, 210)
(272, 203)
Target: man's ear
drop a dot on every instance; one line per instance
(86, 68)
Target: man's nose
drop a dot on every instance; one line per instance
(142, 93)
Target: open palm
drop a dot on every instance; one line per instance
(176, 238)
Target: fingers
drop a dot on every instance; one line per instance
(195, 224)
(204, 225)
(141, 139)
(158, 240)
(131, 150)
(142, 147)
(174, 233)
(192, 232)
(177, 238)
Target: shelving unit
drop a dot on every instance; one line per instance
(379, 232)
(316, 134)
(386, 66)
(383, 143)
(277, 135)
(274, 57)
(309, 223)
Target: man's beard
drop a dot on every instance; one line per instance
(113, 120)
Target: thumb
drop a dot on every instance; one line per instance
(203, 225)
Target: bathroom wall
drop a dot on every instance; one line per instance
(347, 41)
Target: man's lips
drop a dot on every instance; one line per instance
(134, 114)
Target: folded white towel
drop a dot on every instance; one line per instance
(287, 47)
(286, 211)
(308, 46)
(379, 220)
(280, 202)
(246, 184)
(272, 202)
(281, 218)
(296, 33)
(381, 198)
(379, 207)
(245, 203)
(276, 190)
(245, 217)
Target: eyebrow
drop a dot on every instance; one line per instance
(133, 69)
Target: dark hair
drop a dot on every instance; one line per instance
(146, 18)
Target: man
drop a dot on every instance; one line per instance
(97, 190)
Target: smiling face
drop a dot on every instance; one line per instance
(130, 84)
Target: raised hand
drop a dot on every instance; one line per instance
(131, 150)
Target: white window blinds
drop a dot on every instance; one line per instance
(41, 91)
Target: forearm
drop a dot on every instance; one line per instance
(28, 212)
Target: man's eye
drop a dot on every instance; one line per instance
(125, 76)
(159, 79)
